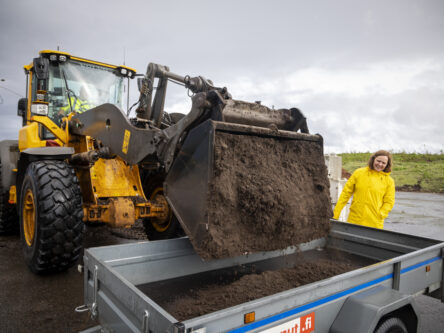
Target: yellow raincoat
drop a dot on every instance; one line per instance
(373, 197)
(77, 105)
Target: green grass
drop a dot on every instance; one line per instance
(425, 170)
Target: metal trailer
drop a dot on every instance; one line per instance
(357, 301)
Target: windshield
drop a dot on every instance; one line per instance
(78, 86)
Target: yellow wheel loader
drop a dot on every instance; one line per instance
(80, 159)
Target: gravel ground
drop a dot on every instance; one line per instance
(32, 303)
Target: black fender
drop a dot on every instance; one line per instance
(364, 311)
(30, 155)
(9, 154)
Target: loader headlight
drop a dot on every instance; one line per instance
(40, 109)
(58, 57)
(125, 72)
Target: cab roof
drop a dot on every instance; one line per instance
(49, 52)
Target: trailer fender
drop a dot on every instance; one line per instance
(368, 310)
(30, 155)
(9, 154)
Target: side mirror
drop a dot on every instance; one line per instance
(41, 71)
(22, 108)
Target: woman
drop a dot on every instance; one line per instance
(373, 192)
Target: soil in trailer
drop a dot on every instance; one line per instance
(266, 194)
(203, 293)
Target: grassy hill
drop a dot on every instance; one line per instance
(411, 172)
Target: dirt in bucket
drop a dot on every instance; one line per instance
(266, 194)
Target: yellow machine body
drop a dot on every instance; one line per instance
(81, 158)
(111, 189)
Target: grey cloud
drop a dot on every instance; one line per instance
(259, 40)
(406, 128)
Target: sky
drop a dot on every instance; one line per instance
(367, 75)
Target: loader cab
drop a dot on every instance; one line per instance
(60, 84)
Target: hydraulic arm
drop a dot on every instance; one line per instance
(186, 153)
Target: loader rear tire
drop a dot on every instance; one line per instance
(155, 229)
(51, 215)
(8, 213)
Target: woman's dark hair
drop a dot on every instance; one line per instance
(388, 167)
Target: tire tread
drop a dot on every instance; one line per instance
(60, 212)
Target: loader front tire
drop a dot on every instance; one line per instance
(51, 215)
(8, 213)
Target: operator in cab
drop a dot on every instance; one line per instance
(373, 191)
(78, 104)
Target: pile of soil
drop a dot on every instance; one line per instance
(266, 194)
(224, 292)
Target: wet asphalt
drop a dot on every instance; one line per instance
(421, 214)
(46, 303)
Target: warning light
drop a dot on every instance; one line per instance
(428, 268)
(248, 317)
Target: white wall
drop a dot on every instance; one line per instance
(337, 183)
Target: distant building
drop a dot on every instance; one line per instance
(337, 178)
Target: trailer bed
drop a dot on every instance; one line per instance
(202, 293)
(126, 285)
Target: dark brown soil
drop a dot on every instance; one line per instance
(266, 194)
(224, 292)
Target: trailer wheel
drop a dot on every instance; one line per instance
(51, 215)
(391, 325)
(8, 213)
(167, 227)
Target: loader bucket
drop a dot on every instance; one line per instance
(238, 189)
